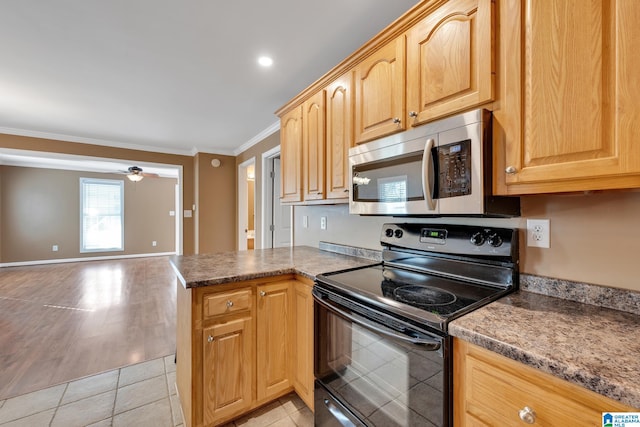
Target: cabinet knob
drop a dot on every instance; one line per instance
(511, 170)
(229, 303)
(527, 415)
(209, 338)
(413, 114)
(396, 120)
(262, 293)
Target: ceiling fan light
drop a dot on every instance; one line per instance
(135, 177)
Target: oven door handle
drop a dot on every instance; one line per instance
(429, 345)
(338, 415)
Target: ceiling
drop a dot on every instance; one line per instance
(166, 75)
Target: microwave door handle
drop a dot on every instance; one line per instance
(427, 172)
(430, 345)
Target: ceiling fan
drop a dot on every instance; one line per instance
(135, 174)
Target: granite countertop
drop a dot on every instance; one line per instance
(227, 267)
(586, 344)
(594, 347)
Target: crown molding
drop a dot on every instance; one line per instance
(273, 128)
(92, 141)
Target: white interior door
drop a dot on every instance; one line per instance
(281, 213)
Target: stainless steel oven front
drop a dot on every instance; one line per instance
(376, 369)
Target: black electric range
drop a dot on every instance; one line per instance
(433, 274)
(382, 348)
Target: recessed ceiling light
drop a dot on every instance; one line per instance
(265, 61)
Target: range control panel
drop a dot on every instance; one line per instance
(452, 239)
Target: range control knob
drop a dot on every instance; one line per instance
(494, 240)
(388, 232)
(477, 238)
(398, 233)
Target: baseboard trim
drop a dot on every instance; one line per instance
(94, 258)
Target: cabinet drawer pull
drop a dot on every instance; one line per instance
(262, 293)
(511, 170)
(209, 338)
(396, 120)
(527, 415)
(229, 303)
(413, 114)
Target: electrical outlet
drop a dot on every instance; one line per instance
(538, 233)
(154, 243)
(323, 223)
(54, 248)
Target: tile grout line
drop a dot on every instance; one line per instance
(66, 386)
(115, 397)
(166, 384)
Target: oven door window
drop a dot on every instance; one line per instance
(398, 179)
(385, 382)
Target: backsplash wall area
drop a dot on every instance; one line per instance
(594, 237)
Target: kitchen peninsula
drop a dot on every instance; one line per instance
(237, 305)
(245, 328)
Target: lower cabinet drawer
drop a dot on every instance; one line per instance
(226, 302)
(493, 390)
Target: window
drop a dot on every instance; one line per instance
(101, 215)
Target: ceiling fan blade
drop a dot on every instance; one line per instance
(150, 175)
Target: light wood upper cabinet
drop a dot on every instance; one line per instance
(339, 125)
(569, 86)
(273, 320)
(380, 92)
(450, 60)
(303, 342)
(227, 359)
(313, 146)
(492, 390)
(291, 156)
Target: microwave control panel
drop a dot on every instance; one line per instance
(454, 169)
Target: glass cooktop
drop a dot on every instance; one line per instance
(420, 296)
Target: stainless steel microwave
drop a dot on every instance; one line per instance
(441, 168)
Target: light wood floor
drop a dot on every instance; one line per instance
(65, 321)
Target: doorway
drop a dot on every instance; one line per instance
(276, 218)
(246, 204)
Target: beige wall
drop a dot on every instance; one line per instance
(216, 203)
(595, 238)
(41, 208)
(256, 151)
(1, 239)
(54, 146)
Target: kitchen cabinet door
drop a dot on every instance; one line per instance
(303, 342)
(380, 92)
(313, 146)
(339, 135)
(273, 319)
(291, 156)
(492, 390)
(450, 60)
(568, 114)
(227, 359)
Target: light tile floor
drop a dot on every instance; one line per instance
(141, 395)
